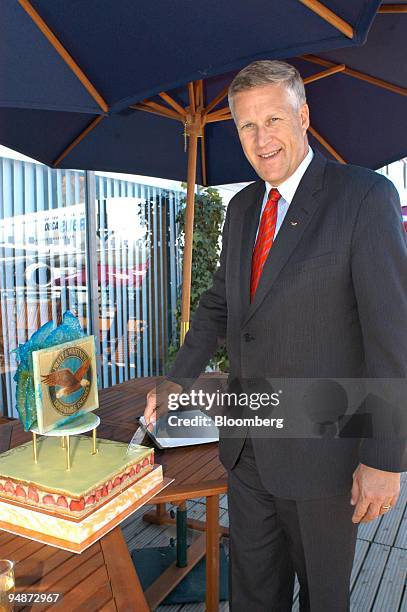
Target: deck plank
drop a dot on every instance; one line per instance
(403, 606)
(392, 584)
(362, 547)
(223, 501)
(367, 531)
(390, 523)
(368, 580)
(401, 539)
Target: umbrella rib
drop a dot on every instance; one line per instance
(222, 117)
(221, 96)
(358, 75)
(157, 109)
(326, 144)
(77, 140)
(220, 112)
(200, 100)
(191, 93)
(324, 74)
(327, 15)
(177, 107)
(60, 49)
(392, 8)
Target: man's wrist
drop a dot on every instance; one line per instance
(372, 467)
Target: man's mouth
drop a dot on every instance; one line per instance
(270, 154)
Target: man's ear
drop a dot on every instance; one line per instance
(304, 117)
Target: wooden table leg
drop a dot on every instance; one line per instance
(125, 583)
(161, 510)
(212, 553)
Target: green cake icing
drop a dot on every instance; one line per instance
(87, 470)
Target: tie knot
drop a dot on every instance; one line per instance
(274, 195)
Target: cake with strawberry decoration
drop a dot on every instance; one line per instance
(90, 483)
(64, 488)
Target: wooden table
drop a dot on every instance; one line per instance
(103, 577)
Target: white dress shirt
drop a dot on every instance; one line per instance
(287, 190)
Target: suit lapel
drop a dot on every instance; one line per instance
(300, 212)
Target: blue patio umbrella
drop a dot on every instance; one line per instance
(125, 86)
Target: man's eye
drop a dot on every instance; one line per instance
(247, 125)
(274, 119)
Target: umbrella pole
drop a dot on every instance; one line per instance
(189, 234)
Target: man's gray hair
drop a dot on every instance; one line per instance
(266, 72)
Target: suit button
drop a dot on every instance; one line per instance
(248, 337)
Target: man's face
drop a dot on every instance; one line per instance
(272, 130)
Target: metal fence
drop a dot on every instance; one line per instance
(45, 257)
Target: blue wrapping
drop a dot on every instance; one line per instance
(45, 337)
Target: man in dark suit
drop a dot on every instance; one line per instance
(312, 284)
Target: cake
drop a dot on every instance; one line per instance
(64, 488)
(72, 509)
(92, 481)
(77, 534)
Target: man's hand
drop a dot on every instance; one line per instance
(373, 492)
(157, 401)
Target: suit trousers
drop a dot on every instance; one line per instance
(272, 539)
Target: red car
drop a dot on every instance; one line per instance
(404, 210)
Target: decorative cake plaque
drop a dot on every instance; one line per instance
(65, 382)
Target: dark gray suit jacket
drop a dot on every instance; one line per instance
(331, 303)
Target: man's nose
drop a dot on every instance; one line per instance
(263, 136)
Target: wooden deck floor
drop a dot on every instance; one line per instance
(379, 571)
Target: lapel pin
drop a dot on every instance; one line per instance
(294, 223)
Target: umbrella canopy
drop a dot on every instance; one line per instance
(92, 56)
(124, 86)
(347, 109)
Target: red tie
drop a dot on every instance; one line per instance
(264, 240)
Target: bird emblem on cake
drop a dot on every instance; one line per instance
(68, 381)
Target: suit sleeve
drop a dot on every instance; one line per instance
(379, 274)
(208, 326)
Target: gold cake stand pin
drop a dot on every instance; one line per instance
(35, 450)
(68, 452)
(94, 448)
(83, 424)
